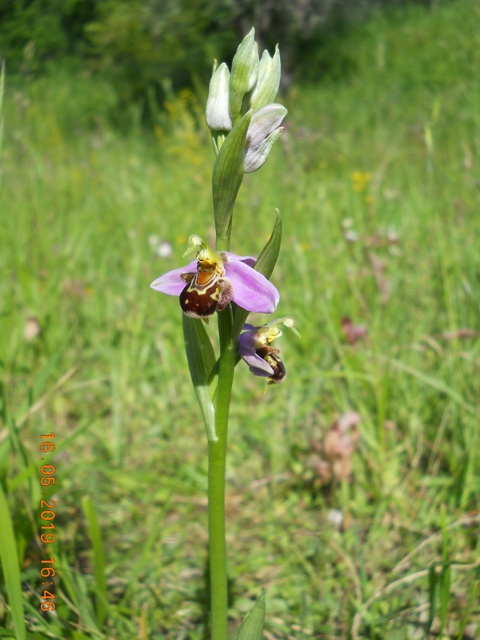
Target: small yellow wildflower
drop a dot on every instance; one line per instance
(360, 180)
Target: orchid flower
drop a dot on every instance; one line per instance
(255, 350)
(215, 279)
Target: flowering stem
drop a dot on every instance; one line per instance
(217, 453)
(216, 524)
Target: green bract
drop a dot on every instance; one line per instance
(228, 175)
(268, 82)
(244, 73)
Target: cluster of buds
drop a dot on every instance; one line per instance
(251, 86)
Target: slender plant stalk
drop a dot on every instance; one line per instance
(217, 454)
(216, 525)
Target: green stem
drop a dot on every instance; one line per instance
(216, 525)
(217, 454)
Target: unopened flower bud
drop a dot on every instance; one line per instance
(263, 132)
(244, 73)
(217, 111)
(266, 89)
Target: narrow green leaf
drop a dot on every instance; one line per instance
(98, 559)
(23, 457)
(268, 257)
(444, 595)
(2, 89)
(228, 175)
(265, 265)
(252, 626)
(201, 362)
(11, 569)
(47, 626)
(472, 598)
(432, 592)
(444, 577)
(78, 592)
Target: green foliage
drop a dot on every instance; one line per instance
(252, 627)
(380, 224)
(95, 535)
(2, 91)
(10, 568)
(34, 31)
(143, 44)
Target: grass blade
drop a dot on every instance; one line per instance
(2, 91)
(11, 570)
(98, 560)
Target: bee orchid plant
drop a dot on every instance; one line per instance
(245, 122)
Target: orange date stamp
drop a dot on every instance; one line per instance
(47, 515)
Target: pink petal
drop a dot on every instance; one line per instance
(251, 290)
(171, 283)
(263, 123)
(234, 256)
(257, 365)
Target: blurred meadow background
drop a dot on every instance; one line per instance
(353, 488)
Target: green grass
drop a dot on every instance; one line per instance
(395, 249)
